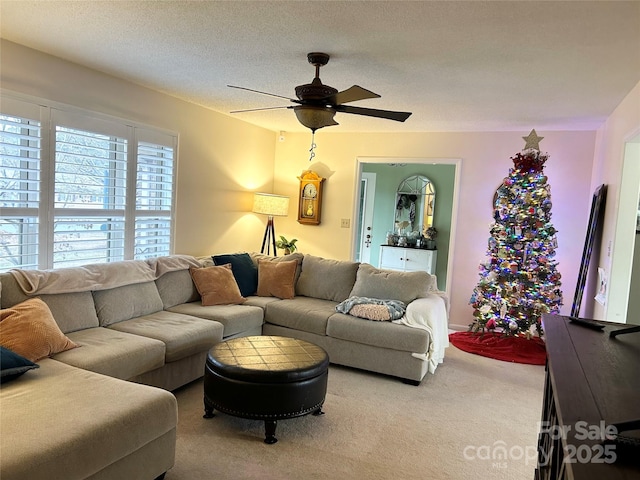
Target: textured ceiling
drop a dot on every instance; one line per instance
(458, 66)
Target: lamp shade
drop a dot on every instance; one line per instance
(269, 204)
(315, 117)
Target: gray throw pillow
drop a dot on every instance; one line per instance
(391, 285)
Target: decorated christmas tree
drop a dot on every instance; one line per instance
(519, 280)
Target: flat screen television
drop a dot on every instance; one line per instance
(594, 228)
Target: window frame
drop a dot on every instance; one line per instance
(51, 114)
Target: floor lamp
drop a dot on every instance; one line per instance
(272, 206)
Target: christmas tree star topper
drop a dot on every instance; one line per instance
(533, 140)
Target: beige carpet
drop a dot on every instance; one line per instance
(376, 427)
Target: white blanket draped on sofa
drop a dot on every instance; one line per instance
(99, 276)
(430, 314)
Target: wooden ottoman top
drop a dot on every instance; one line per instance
(268, 359)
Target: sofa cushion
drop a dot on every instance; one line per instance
(261, 302)
(126, 302)
(235, 318)
(391, 285)
(216, 285)
(72, 311)
(325, 278)
(116, 354)
(276, 279)
(244, 271)
(60, 422)
(183, 335)
(176, 288)
(13, 365)
(301, 313)
(29, 330)
(378, 334)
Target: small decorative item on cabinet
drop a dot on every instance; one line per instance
(310, 198)
(430, 235)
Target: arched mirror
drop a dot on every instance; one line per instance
(415, 199)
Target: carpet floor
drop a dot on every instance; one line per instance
(476, 418)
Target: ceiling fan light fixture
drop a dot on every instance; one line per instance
(315, 117)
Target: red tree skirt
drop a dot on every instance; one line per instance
(508, 349)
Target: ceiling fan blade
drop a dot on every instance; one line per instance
(351, 94)
(258, 109)
(372, 112)
(264, 93)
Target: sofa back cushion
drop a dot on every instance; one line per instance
(391, 285)
(326, 279)
(71, 311)
(126, 302)
(176, 288)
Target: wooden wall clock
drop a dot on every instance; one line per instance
(310, 198)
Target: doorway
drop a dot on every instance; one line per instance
(622, 306)
(390, 171)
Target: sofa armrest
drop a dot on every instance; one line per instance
(430, 313)
(442, 294)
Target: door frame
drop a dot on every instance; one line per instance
(457, 162)
(368, 201)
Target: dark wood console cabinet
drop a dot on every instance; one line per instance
(592, 383)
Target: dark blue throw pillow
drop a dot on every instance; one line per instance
(13, 365)
(244, 271)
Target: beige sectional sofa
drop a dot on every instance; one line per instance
(95, 411)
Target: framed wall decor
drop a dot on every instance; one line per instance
(310, 198)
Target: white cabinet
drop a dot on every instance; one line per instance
(408, 259)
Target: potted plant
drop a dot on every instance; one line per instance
(289, 246)
(430, 234)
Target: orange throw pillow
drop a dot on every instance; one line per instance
(277, 279)
(30, 330)
(217, 285)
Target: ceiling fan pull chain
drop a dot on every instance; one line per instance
(313, 146)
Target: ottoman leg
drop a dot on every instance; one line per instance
(208, 410)
(270, 431)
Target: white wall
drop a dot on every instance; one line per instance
(618, 237)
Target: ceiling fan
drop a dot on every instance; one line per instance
(318, 103)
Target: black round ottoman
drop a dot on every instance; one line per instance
(265, 378)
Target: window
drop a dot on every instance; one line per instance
(154, 199)
(96, 191)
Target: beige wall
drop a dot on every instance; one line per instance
(220, 159)
(618, 236)
(485, 161)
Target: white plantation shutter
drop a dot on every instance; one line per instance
(20, 143)
(108, 184)
(89, 193)
(154, 197)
